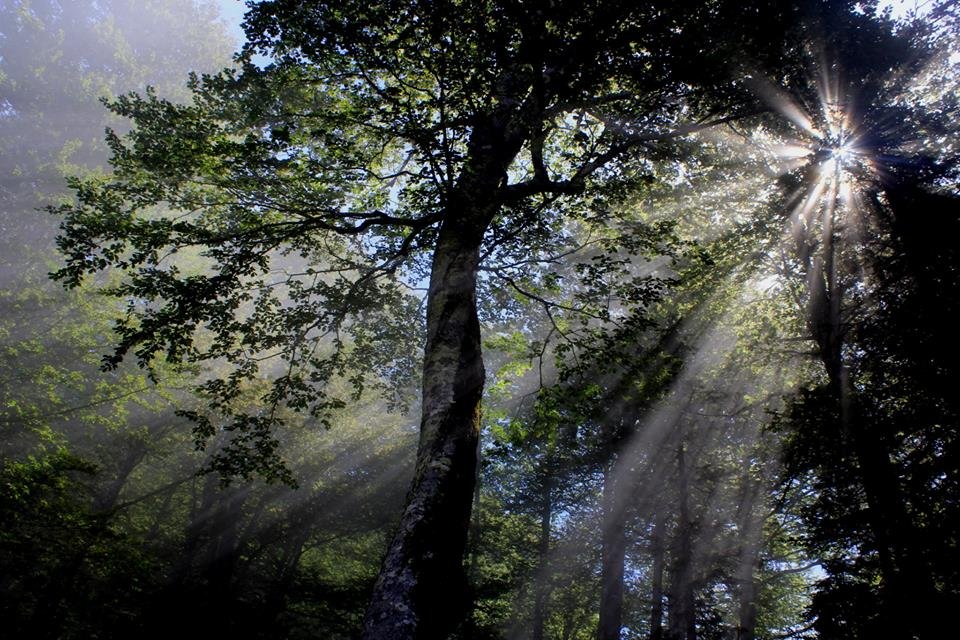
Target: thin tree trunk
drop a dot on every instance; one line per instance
(160, 516)
(198, 529)
(109, 495)
(469, 630)
(279, 591)
(223, 550)
(658, 549)
(751, 526)
(682, 622)
(613, 554)
(476, 529)
(542, 586)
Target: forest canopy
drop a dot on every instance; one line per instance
(450, 319)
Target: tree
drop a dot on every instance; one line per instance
(56, 61)
(874, 245)
(384, 141)
(68, 545)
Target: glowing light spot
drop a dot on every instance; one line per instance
(834, 146)
(842, 154)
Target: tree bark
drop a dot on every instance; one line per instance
(658, 549)
(542, 586)
(613, 554)
(420, 591)
(682, 621)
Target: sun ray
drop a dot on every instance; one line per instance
(787, 107)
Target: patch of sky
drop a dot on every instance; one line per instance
(232, 12)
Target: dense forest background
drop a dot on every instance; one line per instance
(720, 395)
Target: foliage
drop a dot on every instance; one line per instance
(63, 563)
(272, 227)
(870, 437)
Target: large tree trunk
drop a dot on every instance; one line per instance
(420, 590)
(420, 593)
(906, 580)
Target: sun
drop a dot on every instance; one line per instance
(830, 151)
(827, 137)
(837, 148)
(830, 155)
(842, 154)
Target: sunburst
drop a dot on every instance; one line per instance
(827, 138)
(829, 148)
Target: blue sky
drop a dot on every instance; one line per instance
(232, 12)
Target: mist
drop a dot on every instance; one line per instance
(293, 345)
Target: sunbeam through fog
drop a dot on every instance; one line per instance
(452, 320)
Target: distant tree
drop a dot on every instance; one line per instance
(384, 143)
(57, 60)
(72, 440)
